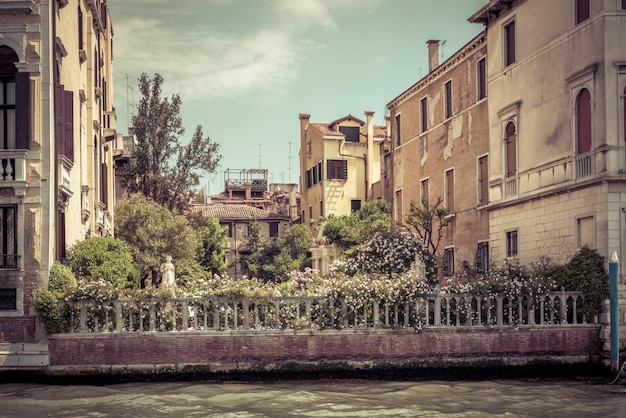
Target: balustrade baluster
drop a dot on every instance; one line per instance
(246, 312)
(118, 316)
(83, 317)
(277, 307)
(152, 323)
(500, 309)
(437, 313)
(407, 315)
(307, 308)
(216, 315)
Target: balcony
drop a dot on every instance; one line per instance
(12, 167)
(569, 171)
(9, 261)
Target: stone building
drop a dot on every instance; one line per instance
(339, 164)
(57, 122)
(439, 149)
(236, 218)
(557, 87)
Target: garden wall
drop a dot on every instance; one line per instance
(119, 353)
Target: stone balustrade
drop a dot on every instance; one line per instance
(318, 313)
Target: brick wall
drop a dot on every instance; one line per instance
(367, 345)
(18, 329)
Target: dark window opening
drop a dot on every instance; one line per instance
(273, 229)
(337, 169)
(583, 119)
(424, 113)
(582, 10)
(511, 150)
(398, 130)
(481, 261)
(483, 181)
(482, 79)
(351, 133)
(511, 244)
(509, 44)
(448, 96)
(8, 299)
(447, 268)
(355, 205)
(8, 239)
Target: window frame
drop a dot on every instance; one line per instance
(482, 183)
(512, 243)
(582, 11)
(447, 94)
(274, 228)
(398, 128)
(447, 265)
(449, 189)
(424, 114)
(337, 169)
(509, 41)
(424, 184)
(481, 78)
(482, 254)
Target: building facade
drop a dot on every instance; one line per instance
(439, 150)
(339, 164)
(557, 88)
(57, 121)
(236, 218)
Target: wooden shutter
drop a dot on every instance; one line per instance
(510, 43)
(482, 181)
(104, 185)
(22, 110)
(68, 125)
(59, 128)
(344, 169)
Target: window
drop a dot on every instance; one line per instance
(509, 43)
(397, 130)
(229, 227)
(273, 229)
(80, 28)
(8, 241)
(424, 192)
(583, 122)
(321, 208)
(449, 190)
(586, 232)
(398, 206)
(310, 214)
(448, 99)
(8, 299)
(424, 113)
(582, 10)
(623, 4)
(337, 169)
(14, 102)
(483, 181)
(481, 75)
(351, 133)
(314, 175)
(447, 268)
(481, 261)
(355, 205)
(511, 149)
(511, 244)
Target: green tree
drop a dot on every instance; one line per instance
(54, 314)
(429, 222)
(298, 239)
(348, 231)
(161, 167)
(151, 232)
(212, 248)
(103, 258)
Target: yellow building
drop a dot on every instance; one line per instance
(339, 164)
(57, 120)
(557, 149)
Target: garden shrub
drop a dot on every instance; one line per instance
(48, 302)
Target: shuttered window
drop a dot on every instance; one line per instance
(511, 150)
(583, 121)
(582, 10)
(337, 169)
(483, 181)
(481, 79)
(509, 44)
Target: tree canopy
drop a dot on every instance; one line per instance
(152, 232)
(160, 166)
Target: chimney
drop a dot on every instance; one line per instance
(433, 54)
(248, 191)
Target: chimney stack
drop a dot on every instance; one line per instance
(433, 54)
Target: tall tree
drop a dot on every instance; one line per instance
(429, 221)
(161, 167)
(152, 232)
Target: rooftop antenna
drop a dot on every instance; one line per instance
(442, 44)
(289, 164)
(130, 102)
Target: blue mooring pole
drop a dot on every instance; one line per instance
(614, 315)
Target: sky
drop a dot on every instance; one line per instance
(246, 69)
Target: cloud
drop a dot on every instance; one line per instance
(305, 14)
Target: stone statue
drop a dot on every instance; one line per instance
(167, 274)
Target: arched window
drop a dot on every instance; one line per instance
(14, 102)
(511, 149)
(583, 122)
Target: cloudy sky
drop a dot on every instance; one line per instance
(246, 69)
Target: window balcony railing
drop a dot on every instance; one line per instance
(9, 261)
(12, 165)
(575, 169)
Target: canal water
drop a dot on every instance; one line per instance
(319, 398)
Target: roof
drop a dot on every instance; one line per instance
(380, 131)
(237, 211)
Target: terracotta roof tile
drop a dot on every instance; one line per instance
(233, 212)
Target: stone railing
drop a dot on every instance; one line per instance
(319, 313)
